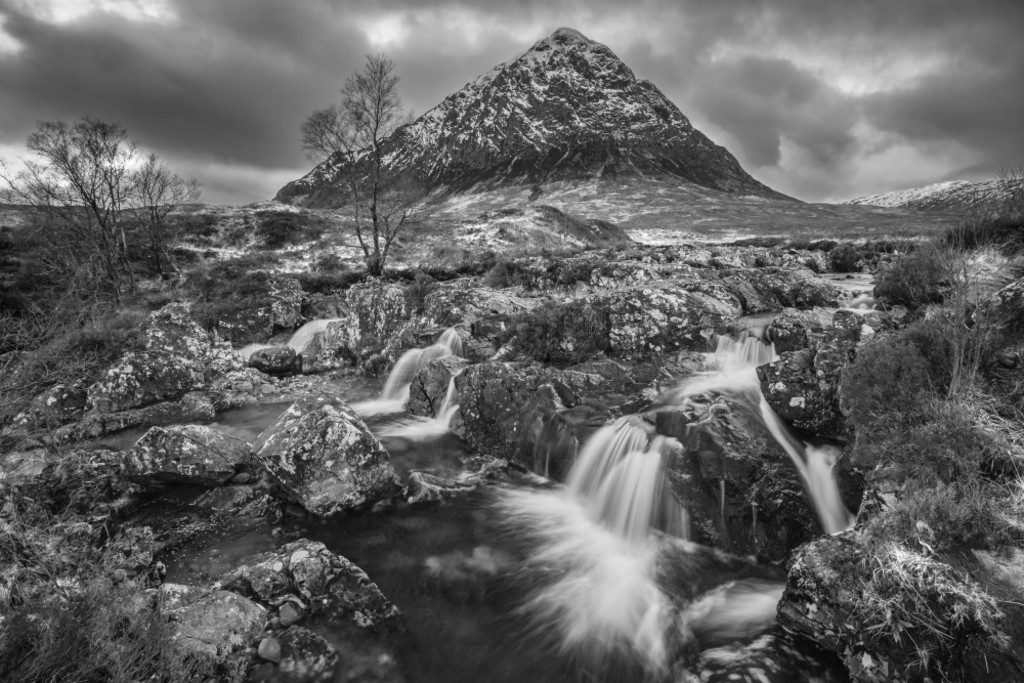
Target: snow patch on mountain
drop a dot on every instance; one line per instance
(951, 195)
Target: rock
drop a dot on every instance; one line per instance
(270, 650)
(276, 360)
(787, 287)
(212, 628)
(289, 614)
(461, 301)
(306, 657)
(423, 487)
(500, 417)
(330, 586)
(1009, 302)
(236, 389)
(276, 308)
(58, 405)
(185, 454)
(193, 407)
(430, 386)
(727, 451)
(171, 330)
(789, 330)
(802, 386)
(141, 379)
(377, 311)
(832, 598)
(322, 455)
(642, 321)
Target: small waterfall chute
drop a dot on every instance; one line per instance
(298, 341)
(395, 395)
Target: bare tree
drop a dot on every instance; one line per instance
(156, 192)
(80, 181)
(382, 199)
(88, 187)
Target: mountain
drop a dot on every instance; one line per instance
(952, 195)
(566, 111)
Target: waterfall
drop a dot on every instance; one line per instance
(733, 369)
(298, 341)
(395, 395)
(449, 405)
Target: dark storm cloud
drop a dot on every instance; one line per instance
(829, 85)
(766, 100)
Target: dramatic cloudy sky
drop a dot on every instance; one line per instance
(821, 99)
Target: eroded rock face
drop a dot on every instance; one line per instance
(213, 627)
(794, 330)
(185, 454)
(322, 455)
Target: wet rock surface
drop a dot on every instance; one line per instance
(323, 456)
(276, 360)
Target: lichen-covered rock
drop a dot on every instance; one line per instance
(58, 405)
(172, 330)
(213, 628)
(1010, 302)
(192, 407)
(141, 379)
(276, 360)
(642, 321)
(464, 302)
(377, 311)
(327, 584)
(185, 454)
(323, 456)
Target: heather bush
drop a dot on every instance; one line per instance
(916, 278)
(844, 258)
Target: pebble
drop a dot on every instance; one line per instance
(289, 614)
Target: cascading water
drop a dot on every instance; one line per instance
(733, 369)
(298, 341)
(395, 395)
(595, 537)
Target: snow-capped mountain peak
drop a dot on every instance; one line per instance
(566, 109)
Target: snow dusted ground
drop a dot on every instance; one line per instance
(949, 195)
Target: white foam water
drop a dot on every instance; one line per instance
(298, 341)
(395, 395)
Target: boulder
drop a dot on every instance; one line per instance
(802, 386)
(377, 311)
(185, 454)
(793, 330)
(212, 628)
(642, 321)
(330, 586)
(276, 360)
(323, 456)
(505, 406)
(897, 614)
(461, 301)
(742, 490)
(787, 287)
(141, 379)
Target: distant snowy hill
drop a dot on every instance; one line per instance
(565, 112)
(952, 195)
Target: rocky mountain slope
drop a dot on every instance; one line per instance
(952, 195)
(568, 110)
